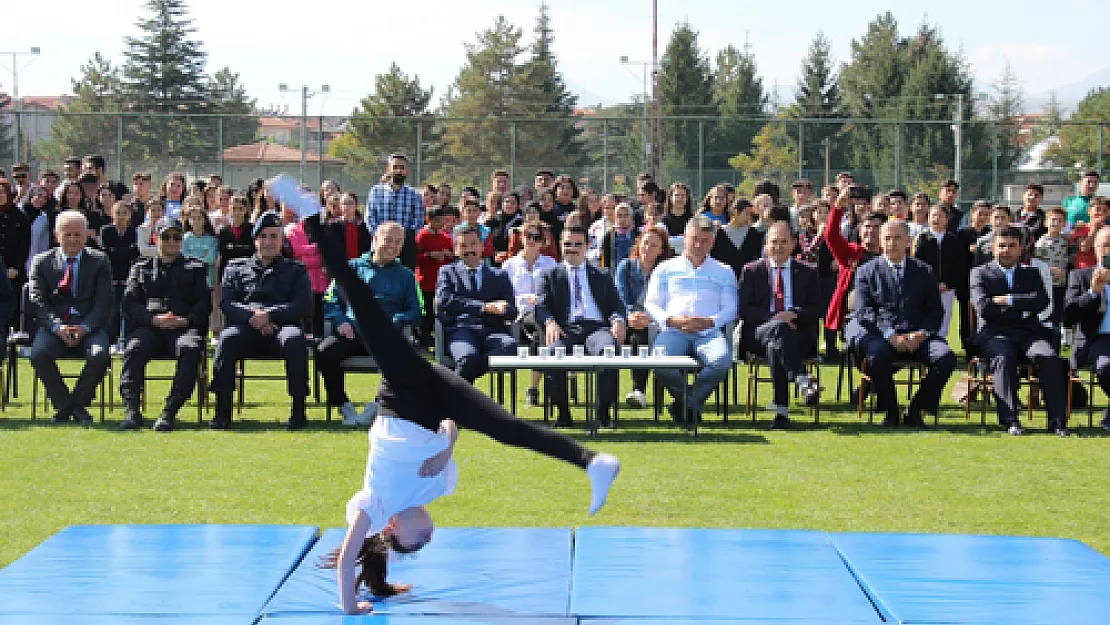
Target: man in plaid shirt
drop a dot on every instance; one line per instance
(396, 201)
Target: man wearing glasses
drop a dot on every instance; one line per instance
(168, 303)
(578, 304)
(264, 298)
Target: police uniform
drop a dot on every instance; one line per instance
(155, 287)
(282, 290)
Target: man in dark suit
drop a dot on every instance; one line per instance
(1007, 298)
(780, 303)
(475, 304)
(1087, 309)
(71, 297)
(897, 315)
(578, 304)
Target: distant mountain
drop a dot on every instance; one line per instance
(1069, 95)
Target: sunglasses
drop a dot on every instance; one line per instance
(171, 237)
(534, 236)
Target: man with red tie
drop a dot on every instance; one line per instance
(780, 303)
(71, 298)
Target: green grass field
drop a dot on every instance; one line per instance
(843, 474)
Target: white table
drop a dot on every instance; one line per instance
(591, 366)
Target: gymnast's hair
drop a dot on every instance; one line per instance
(372, 559)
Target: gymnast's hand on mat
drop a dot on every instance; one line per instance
(362, 607)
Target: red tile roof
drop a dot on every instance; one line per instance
(265, 152)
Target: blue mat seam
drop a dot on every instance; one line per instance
(881, 609)
(304, 553)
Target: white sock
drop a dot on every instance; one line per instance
(603, 469)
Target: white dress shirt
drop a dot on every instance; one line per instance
(677, 288)
(526, 282)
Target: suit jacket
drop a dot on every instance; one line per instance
(880, 307)
(1019, 320)
(92, 305)
(724, 251)
(554, 297)
(1083, 310)
(756, 296)
(459, 302)
(944, 258)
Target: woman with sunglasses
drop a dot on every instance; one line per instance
(524, 272)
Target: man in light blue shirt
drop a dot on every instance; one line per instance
(694, 298)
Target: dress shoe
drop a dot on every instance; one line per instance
(220, 423)
(781, 422)
(891, 420)
(564, 421)
(296, 422)
(61, 415)
(605, 422)
(811, 393)
(132, 420)
(222, 418)
(164, 423)
(678, 415)
(1015, 429)
(532, 397)
(912, 419)
(82, 416)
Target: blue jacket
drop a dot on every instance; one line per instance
(394, 285)
(459, 304)
(632, 284)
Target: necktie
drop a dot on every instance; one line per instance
(65, 287)
(780, 291)
(474, 278)
(577, 311)
(898, 278)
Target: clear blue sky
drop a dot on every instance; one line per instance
(344, 44)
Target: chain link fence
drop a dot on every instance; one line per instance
(989, 159)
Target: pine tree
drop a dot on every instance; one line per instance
(1051, 120)
(386, 120)
(163, 73)
(738, 93)
(229, 98)
(75, 133)
(1003, 110)
(817, 96)
(489, 87)
(554, 142)
(685, 88)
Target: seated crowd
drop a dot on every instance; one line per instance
(151, 272)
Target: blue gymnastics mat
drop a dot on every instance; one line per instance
(927, 579)
(402, 619)
(500, 572)
(152, 571)
(744, 575)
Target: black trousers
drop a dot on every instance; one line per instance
(881, 355)
(784, 348)
(426, 393)
(1098, 356)
(636, 339)
(595, 337)
(242, 341)
(146, 343)
(1001, 352)
(329, 354)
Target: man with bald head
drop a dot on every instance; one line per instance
(780, 303)
(897, 317)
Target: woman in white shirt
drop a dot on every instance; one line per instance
(524, 271)
(412, 441)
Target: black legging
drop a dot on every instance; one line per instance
(425, 393)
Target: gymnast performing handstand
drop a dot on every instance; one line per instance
(421, 407)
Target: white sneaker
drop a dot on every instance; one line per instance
(603, 469)
(351, 417)
(636, 399)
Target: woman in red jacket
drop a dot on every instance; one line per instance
(848, 256)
